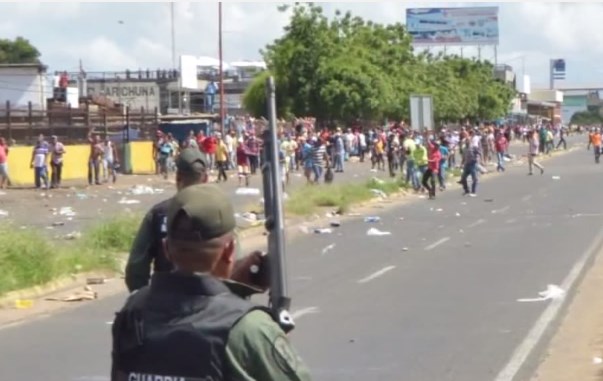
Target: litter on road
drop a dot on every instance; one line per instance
(556, 178)
(138, 190)
(552, 292)
(126, 201)
(79, 296)
(247, 192)
(323, 231)
(379, 193)
(328, 248)
(372, 219)
(376, 232)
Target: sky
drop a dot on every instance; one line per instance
(116, 36)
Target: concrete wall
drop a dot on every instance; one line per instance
(21, 85)
(75, 162)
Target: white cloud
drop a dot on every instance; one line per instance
(65, 32)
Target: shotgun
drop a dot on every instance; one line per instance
(279, 301)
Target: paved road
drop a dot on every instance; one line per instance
(445, 309)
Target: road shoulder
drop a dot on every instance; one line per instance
(574, 351)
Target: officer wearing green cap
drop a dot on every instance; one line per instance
(147, 249)
(195, 323)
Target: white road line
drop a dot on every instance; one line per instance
(523, 351)
(437, 243)
(476, 223)
(304, 311)
(526, 198)
(376, 274)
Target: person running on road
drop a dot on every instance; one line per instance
(596, 142)
(433, 165)
(471, 156)
(501, 147)
(534, 149)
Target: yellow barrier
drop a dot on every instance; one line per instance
(141, 156)
(75, 164)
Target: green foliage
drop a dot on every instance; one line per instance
(19, 51)
(344, 68)
(29, 258)
(586, 118)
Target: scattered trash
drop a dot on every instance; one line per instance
(556, 177)
(463, 203)
(304, 229)
(489, 200)
(401, 218)
(23, 304)
(58, 223)
(597, 360)
(354, 214)
(128, 201)
(461, 231)
(552, 292)
(81, 196)
(248, 219)
(405, 249)
(3, 213)
(335, 224)
(86, 294)
(378, 181)
(372, 219)
(376, 232)
(439, 210)
(95, 281)
(72, 235)
(422, 196)
(328, 248)
(373, 170)
(2, 193)
(138, 190)
(247, 192)
(457, 214)
(323, 231)
(379, 193)
(66, 211)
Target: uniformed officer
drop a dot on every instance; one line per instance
(147, 248)
(194, 323)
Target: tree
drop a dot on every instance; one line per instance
(585, 118)
(19, 51)
(344, 68)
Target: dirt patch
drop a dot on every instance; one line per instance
(576, 350)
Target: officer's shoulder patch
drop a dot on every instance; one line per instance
(283, 354)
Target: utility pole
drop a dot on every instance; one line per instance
(173, 36)
(222, 114)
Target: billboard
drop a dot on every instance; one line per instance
(453, 26)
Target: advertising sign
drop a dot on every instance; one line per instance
(453, 26)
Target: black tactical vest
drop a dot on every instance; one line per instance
(159, 222)
(176, 329)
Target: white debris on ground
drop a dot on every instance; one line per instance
(597, 360)
(72, 236)
(126, 201)
(248, 219)
(323, 231)
(66, 211)
(372, 219)
(552, 292)
(328, 248)
(379, 193)
(378, 181)
(3, 213)
(138, 190)
(556, 177)
(86, 294)
(376, 232)
(247, 192)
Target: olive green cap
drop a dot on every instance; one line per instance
(207, 208)
(191, 160)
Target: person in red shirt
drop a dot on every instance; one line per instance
(500, 143)
(209, 148)
(243, 162)
(433, 166)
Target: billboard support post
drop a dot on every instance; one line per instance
(421, 112)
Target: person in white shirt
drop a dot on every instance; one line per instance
(57, 150)
(109, 161)
(229, 140)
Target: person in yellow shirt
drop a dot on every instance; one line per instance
(420, 157)
(221, 158)
(289, 147)
(377, 157)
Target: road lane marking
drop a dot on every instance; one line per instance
(526, 198)
(476, 223)
(531, 341)
(304, 311)
(376, 274)
(437, 243)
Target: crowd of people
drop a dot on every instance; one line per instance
(423, 159)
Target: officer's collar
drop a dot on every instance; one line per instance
(200, 284)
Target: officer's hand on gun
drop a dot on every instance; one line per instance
(253, 271)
